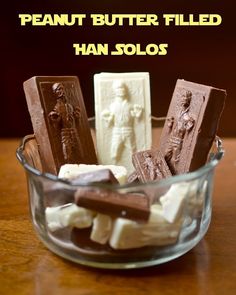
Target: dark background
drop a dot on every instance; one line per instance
(204, 55)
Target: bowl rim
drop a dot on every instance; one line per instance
(214, 159)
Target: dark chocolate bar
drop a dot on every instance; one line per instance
(98, 176)
(150, 165)
(191, 125)
(129, 205)
(59, 121)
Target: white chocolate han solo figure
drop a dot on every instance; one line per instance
(120, 116)
(123, 125)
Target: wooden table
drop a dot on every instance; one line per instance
(27, 267)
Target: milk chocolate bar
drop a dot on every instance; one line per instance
(129, 205)
(191, 125)
(150, 165)
(133, 177)
(59, 121)
(98, 176)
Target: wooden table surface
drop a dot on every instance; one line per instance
(27, 267)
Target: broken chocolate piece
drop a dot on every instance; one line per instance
(98, 176)
(150, 165)
(59, 121)
(131, 206)
(133, 177)
(191, 125)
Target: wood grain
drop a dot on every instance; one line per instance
(27, 267)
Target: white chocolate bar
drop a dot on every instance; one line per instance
(180, 194)
(196, 197)
(70, 171)
(127, 234)
(173, 202)
(123, 116)
(68, 215)
(101, 230)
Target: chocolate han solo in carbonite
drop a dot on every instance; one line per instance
(120, 116)
(184, 125)
(150, 165)
(154, 166)
(59, 121)
(63, 117)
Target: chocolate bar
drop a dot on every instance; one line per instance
(150, 165)
(191, 125)
(129, 205)
(133, 177)
(123, 112)
(59, 121)
(98, 176)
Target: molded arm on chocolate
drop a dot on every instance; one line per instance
(108, 117)
(136, 111)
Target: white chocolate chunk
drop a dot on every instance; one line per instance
(178, 195)
(123, 116)
(101, 230)
(70, 171)
(68, 215)
(127, 234)
(196, 197)
(173, 203)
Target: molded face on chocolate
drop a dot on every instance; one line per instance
(191, 125)
(59, 121)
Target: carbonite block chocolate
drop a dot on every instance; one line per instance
(150, 165)
(131, 206)
(191, 125)
(59, 120)
(123, 116)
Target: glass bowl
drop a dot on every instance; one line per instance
(131, 244)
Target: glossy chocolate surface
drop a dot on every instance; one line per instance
(191, 125)
(60, 122)
(98, 176)
(130, 205)
(150, 165)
